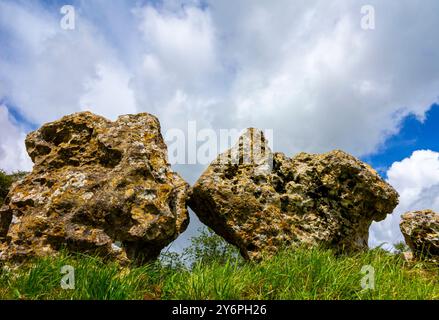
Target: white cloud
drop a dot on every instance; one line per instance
(303, 68)
(178, 74)
(182, 41)
(13, 154)
(48, 72)
(109, 93)
(307, 69)
(417, 181)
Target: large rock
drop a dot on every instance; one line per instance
(261, 201)
(97, 187)
(421, 233)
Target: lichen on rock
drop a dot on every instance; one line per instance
(261, 201)
(421, 233)
(97, 186)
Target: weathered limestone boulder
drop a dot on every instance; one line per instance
(97, 187)
(421, 233)
(261, 201)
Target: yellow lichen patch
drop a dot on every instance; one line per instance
(149, 136)
(129, 193)
(140, 215)
(163, 192)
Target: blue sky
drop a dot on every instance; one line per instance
(307, 70)
(415, 134)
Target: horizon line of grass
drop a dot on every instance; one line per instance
(292, 274)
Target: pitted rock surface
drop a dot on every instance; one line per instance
(421, 232)
(261, 201)
(97, 186)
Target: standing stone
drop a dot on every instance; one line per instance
(421, 232)
(261, 201)
(97, 187)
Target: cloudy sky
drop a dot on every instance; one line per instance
(307, 69)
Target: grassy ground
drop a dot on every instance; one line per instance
(298, 274)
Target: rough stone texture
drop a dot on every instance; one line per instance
(261, 201)
(421, 233)
(96, 187)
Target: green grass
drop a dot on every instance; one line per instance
(291, 274)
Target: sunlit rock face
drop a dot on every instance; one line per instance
(261, 201)
(421, 233)
(97, 187)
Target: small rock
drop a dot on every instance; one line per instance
(421, 233)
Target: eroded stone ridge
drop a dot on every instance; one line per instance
(273, 201)
(96, 187)
(421, 233)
